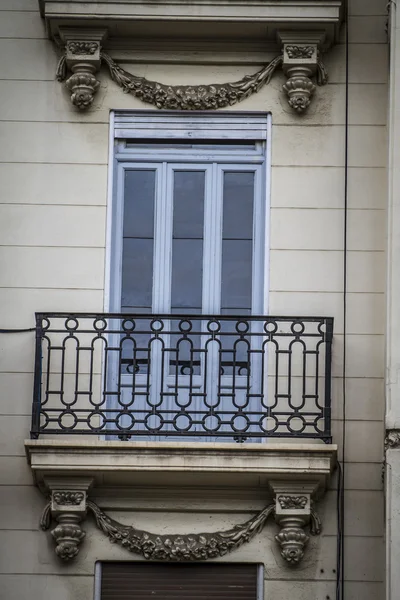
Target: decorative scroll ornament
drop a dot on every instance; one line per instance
(84, 60)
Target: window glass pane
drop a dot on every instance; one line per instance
(187, 271)
(188, 204)
(238, 191)
(139, 203)
(236, 274)
(237, 241)
(138, 240)
(137, 272)
(187, 243)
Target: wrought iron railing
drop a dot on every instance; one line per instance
(182, 376)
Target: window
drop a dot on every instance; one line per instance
(188, 238)
(189, 221)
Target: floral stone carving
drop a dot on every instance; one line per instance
(292, 501)
(300, 51)
(180, 547)
(68, 498)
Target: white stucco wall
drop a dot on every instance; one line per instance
(53, 169)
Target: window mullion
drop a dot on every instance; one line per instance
(212, 242)
(163, 240)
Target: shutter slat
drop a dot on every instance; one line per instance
(169, 124)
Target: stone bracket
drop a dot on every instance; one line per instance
(301, 61)
(67, 506)
(293, 512)
(82, 59)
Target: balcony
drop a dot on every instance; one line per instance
(182, 378)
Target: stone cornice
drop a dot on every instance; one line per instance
(208, 18)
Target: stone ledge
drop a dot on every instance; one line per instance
(205, 19)
(177, 463)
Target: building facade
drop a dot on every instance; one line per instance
(212, 257)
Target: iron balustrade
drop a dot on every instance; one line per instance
(180, 376)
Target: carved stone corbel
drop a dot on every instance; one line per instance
(67, 506)
(293, 512)
(301, 62)
(82, 59)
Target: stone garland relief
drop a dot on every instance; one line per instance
(190, 547)
(83, 59)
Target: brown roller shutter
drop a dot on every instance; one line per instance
(200, 581)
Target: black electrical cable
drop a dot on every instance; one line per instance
(341, 467)
(339, 520)
(18, 330)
